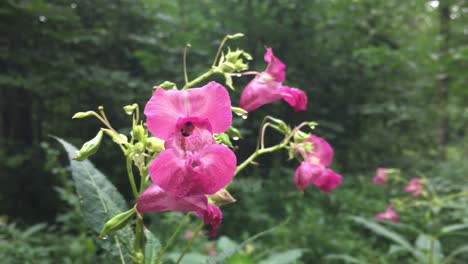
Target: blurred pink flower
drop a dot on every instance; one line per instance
(210, 249)
(380, 177)
(389, 214)
(313, 170)
(188, 235)
(321, 150)
(268, 87)
(308, 172)
(414, 186)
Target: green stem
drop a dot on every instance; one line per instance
(198, 79)
(131, 177)
(138, 246)
(431, 251)
(257, 153)
(172, 238)
(189, 244)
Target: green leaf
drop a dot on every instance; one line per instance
(380, 230)
(453, 228)
(429, 245)
(456, 252)
(286, 257)
(152, 247)
(100, 201)
(346, 258)
(231, 249)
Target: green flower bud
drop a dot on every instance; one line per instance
(233, 133)
(117, 222)
(154, 144)
(167, 85)
(239, 111)
(228, 67)
(82, 114)
(235, 36)
(300, 136)
(222, 197)
(120, 139)
(89, 148)
(139, 132)
(223, 138)
(130, 108)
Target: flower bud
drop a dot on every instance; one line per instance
(89, 148)
(120, 139)
(139, 132)
(167, 85)
(235, 36)
(239, 111)
(222, 197)
(223, 138)
(300, 136)
(228, 67)
(154, 144)
(82, 114)
(130, 108)
(234, 133)
(117, 222)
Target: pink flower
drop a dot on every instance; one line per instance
(166, 110)
(381, 177)
(389, 214)
(321, 150)
(268, 87)
(211, 250)
(155, 199)
(415, 186)
(191, 164)
(308, 172)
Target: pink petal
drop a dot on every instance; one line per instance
(212, 216)
(389, 214)
(155, 199)
(381, 176)
(275, 68)
(260, 91)
(306, 173)
(165, 108)
(193, 134)
(321, 150)
(193, 173)
(328, 180)
(294, 97)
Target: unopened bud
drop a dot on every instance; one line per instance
(300, 136)
(223, 138)
(228, 67)
(233, 133)
(222, 197)
(117, 222)
(139, 132)
(235, 36)
(154, 144)
(89, 148)
(82, 114)
(130, 108)
(120, 139)
(167, 85)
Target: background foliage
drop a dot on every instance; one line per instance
(386, 80)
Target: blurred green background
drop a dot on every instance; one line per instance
(386, 80)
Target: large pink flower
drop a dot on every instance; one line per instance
(308, 172)
(165, 109)
(389, 214)
(381, 176)
(155, 199)
(268, 87)
(414, 187)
